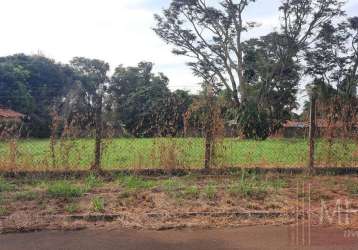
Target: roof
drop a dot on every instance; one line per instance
(10, 114)
(320, 123)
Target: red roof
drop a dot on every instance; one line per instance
(320, 123)
(10, 114)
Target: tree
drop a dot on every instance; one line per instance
(33, 85)
(142, 101)
(136, 92)
(14, 88)
(92, 75)
(332, 61)
(272, 83)
(264, 71)
(302, 19)
(212, 36)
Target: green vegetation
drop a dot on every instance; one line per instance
(92, 181)
(3, 211)
(352, 187)
(171, 185)
(71, 208)
(64, 189)
(210, 191)
(129, 153)
(26, 196)
(135, 183)
(5, 185)
(190, 192)
(97, 204)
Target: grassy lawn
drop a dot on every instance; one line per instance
(177, 152)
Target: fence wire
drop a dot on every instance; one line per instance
(336, 144)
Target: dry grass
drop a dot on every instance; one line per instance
(154, 202)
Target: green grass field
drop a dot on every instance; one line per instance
(169, 152)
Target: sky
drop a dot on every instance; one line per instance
(116, 31)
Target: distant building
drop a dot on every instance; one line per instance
(293, 129)
(9, 115)
(10, 123)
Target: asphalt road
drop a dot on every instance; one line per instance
(242, 238)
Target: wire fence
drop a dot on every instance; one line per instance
(331, 143)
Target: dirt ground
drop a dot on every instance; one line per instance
(244, 238)
(188, 202)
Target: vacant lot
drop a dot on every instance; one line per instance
(173, 152)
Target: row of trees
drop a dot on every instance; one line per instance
(132, 101)
(255, 82)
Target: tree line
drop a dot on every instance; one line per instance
(254, 82)
(135, 101)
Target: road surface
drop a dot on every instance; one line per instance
(250, 238)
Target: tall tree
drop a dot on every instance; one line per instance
(92, 75)
(272, 80)
(333, 59)
(212, 36)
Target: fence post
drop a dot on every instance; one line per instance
(98, 127)
(209, 130)
(312, 130)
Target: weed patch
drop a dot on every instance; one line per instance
(92, 181)
(210, 191)
(3, 211)
(135, 183)
(5, 185)
(97, 204)
(71, 208)
(64, 189)
(352, 188)
(171, 185)
(26, 196)
(191, 192)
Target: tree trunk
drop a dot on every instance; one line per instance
(312, 130)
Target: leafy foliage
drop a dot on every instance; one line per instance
(32, 85)
(142, 101)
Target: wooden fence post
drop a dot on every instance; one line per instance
(312, 130)
(98, 133)
(209, 133)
